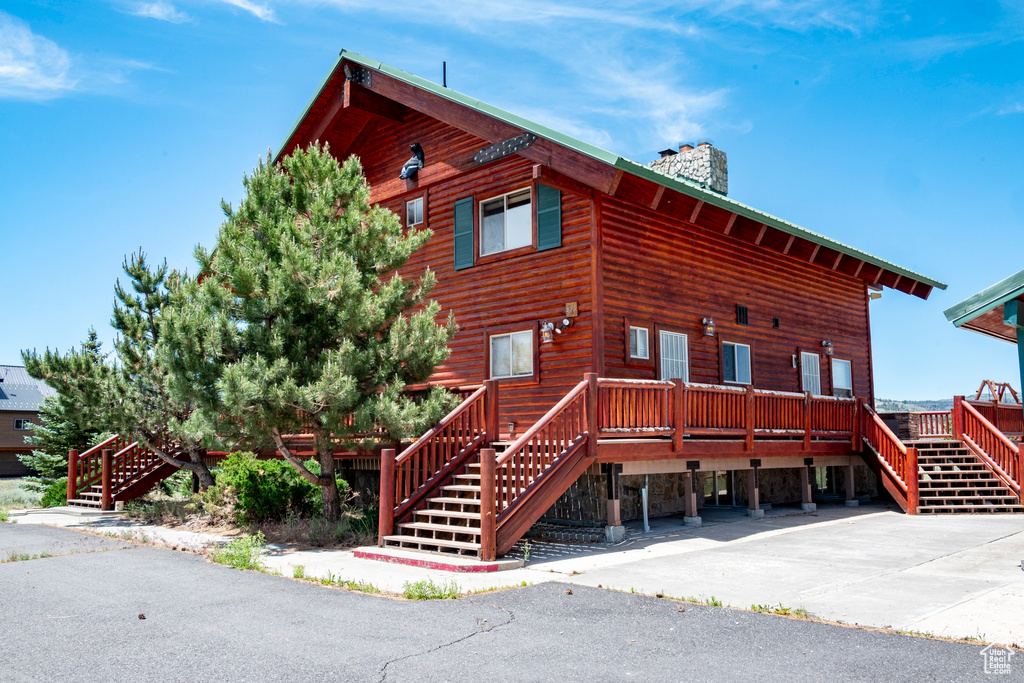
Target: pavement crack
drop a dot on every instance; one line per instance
(383, 673)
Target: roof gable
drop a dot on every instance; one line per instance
(19, 391)
(600, 169)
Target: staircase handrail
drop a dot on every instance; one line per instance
(549, 416)
(412, 481)
(85, 469)
(896, 469)
(1005, 458)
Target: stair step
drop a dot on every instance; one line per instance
(461, 487)
(81, 503)
(440, 528)
(459, 514)
(433, 545)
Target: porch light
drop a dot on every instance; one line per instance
(547, 332)
(566, 324)
(827, 345)
(709, 327)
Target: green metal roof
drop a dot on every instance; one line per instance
(986, 300)
(627, 166)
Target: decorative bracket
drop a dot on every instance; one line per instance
(504, 148)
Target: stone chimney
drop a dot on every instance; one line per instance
(706, 165)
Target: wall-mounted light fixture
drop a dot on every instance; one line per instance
(547, 332)
(566, 324)
(708, 325)
(827, 344)
(511, 429)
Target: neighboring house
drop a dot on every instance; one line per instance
(20, 398)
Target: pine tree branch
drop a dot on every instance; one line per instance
(286, 452)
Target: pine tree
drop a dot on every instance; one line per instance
(60, 428)
(299, 322)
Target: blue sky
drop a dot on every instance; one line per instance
(894, 127)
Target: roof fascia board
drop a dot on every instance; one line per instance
(614, 160)
(986, 300)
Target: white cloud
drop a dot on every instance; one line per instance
(164, 11)
(263, 12)
(31, 66)
(1015, 108)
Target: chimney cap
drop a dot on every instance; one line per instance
(667, 153)
(685, 147)
(704, 144)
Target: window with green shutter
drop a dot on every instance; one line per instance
(464, 233)
(549, 217)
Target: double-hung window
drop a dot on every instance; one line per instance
(675, 363)
(21, 423)
(506, 222)
(512, 354)
(842, 378)
(735, 363)
(810, 372)
(638, 346)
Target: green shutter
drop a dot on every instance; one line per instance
(464, 233)
(549, 218)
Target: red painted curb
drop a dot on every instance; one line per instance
(429, 564)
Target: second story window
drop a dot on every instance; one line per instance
(512, 354)
(21, 423)
(506, 222)
(735, 363)
(638, 343)
(413, 212)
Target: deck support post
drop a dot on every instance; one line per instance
(614, 531)
(107, 460)
(386, 518)
(491, 407)
(488, 542)
(807, 421)
(806, 479)
(690, 517)
(678, 415)
(913, 482)
(753, 493)
(748, 444)
(851, 492)
(72, 473)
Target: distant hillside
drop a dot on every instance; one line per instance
(888, 405)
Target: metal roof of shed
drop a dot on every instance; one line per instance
(620, 163)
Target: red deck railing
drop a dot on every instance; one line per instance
(1001, 455)
(936, 423)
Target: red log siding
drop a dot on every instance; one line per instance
(519, 290)
(660, 268)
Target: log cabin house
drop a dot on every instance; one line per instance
(622, 327)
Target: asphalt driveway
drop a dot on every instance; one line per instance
(77, 616)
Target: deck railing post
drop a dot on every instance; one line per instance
(958, 417)
(491, 406)
(488, 544)
(912, 478)
(72, 473)
(107, 462)
(750, 410)
(855, 437)
(678, 416)
(386, 519)
(807, 420)
(592, 420)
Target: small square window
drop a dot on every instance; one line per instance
(512, 354)
(21, 423)
(414, 212)
(638, 347)
(735, 363)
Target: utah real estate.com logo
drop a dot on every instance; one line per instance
(997, 660)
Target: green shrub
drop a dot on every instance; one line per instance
(13, 496)
(242, 553)
(269, 490)
(4, 516)
(428, 590)
(56, 494)
(178, 485)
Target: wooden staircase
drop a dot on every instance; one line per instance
(953, 479)
(116, 470)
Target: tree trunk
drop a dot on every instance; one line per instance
(328, 481)
(201, 470)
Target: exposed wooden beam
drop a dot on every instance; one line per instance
(789, 244)
(878, 275)
(359, 97)
(760, 235)
(657, 197)
(615, 182)
(859, 267)
(839, 257)
(897, 282)
(913, 286)
(334, 105)
(732, 222)
(817, 247)
(696, 210)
